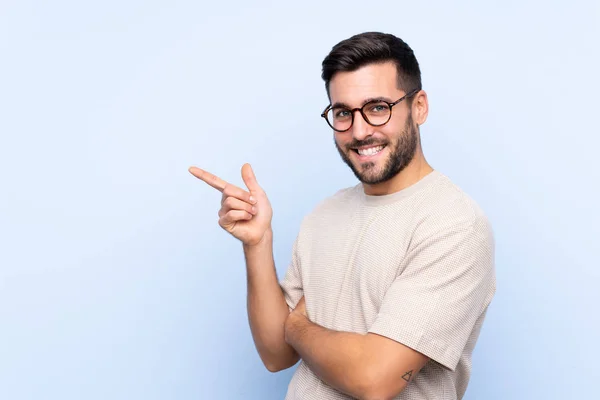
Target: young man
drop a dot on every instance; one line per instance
(390, 280)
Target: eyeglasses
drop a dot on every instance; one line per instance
(376, 113)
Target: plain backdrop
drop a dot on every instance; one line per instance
(116, 281)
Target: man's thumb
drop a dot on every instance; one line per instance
(249, 177)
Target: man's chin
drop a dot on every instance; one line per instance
(370, 180)
(372, 175)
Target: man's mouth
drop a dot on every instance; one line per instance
(369, 150)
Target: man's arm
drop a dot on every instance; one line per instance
(267, 308)
(246, 215)
(363, 366)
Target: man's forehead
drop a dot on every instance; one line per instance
(370, 81)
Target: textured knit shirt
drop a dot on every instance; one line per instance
(416, 266)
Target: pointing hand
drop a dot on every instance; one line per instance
(245, 214)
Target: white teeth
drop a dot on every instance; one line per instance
(370, 151)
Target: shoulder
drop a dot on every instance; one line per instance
(447, 207)
(452, 231)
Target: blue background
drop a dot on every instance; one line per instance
(116, 281)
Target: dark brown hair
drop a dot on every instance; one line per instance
(373, 47)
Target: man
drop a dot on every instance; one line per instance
(389, 280)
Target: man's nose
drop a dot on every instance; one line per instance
(360, 128)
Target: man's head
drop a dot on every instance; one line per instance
(373, 71)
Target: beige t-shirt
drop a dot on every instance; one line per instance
(416, 266)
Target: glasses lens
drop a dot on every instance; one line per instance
(339, 118)
(377, 113)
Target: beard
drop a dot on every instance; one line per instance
(402, 151)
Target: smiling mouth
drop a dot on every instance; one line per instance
(369, 151)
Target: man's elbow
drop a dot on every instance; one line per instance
(277, 365)
(380, 392)
(375, 387)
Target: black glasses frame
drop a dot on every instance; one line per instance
(352, 111)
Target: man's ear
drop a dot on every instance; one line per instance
(420, 108)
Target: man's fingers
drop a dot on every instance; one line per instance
(224, 187)
(249, 178)
(231, 203)
(233, 216)
(239, 193)
(209, 178)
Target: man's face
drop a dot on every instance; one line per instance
(399, 137)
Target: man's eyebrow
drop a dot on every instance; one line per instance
(365, 101)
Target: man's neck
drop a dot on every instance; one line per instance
(414, 172)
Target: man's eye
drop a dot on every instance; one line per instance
(342, 113)
(377, 108)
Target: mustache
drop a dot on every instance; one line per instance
(368, 142)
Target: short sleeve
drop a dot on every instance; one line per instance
(447, 283)
(291, 284)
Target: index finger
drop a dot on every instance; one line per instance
(209, 178)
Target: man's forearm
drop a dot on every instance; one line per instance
(267, 309)
(338, 358)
